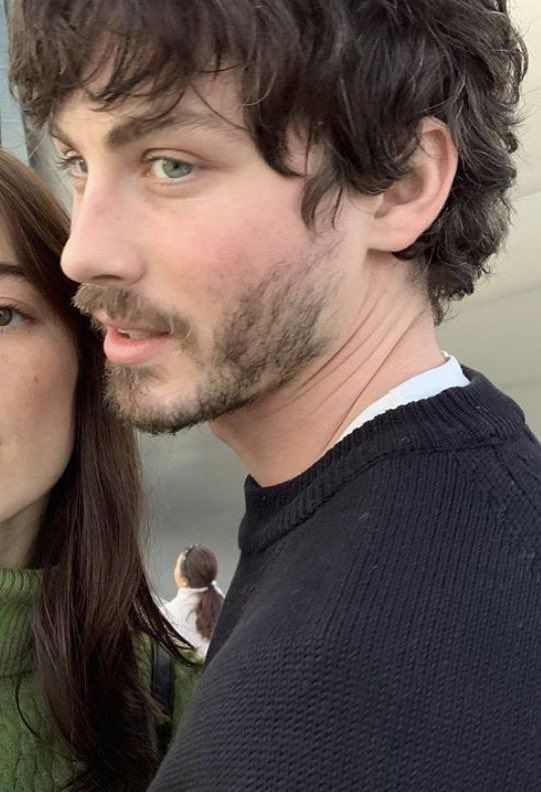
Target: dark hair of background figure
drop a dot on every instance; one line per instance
(355, 76)
(199, 568)
(94, 595)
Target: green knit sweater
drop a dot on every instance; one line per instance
(37, 762)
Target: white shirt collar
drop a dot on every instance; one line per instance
(422, 386)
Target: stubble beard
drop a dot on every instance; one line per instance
(272, 334)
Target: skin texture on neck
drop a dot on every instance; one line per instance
(284, 433)
(18, 534)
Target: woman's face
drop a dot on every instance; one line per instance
(38, 372)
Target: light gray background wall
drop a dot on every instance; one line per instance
(195, 495)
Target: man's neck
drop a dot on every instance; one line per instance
(284, 433)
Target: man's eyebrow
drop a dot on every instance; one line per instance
(133, 129)
(9, 270)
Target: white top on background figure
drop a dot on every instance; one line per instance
(198, 603)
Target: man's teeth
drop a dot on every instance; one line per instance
(135, 335)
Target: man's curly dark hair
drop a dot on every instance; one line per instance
(357, 76)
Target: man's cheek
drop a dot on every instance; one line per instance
(229, 264)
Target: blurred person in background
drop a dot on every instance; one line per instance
(198, 603)
(274, 203)
(78, 624)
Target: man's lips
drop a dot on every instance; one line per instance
(129, 327)
(130, 343)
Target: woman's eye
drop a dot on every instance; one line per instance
(9, 317)
(170, 169)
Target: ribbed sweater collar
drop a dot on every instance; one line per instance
(456, 418)
(18, 590)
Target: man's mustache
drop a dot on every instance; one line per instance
(126, 306)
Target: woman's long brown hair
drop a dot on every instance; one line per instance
(94, 595)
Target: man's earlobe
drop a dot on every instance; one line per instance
(411, 205)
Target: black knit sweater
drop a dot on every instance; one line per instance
(383, 629)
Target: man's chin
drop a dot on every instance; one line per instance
(138, 396)
(157, 404)
(152, 409)
(149, 414)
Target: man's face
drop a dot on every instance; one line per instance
(211, 290)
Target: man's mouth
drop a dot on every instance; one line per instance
(137, 335)
(130, 327)
(129, 343)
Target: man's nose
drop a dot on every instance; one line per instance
(103, 246)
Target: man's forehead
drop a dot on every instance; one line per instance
(210, 104)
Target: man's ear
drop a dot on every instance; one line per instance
(410, 206)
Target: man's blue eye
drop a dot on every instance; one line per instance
(76, 167)
(169, 169)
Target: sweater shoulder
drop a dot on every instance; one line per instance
(490, 490)
(448, 538)
(508, 474)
